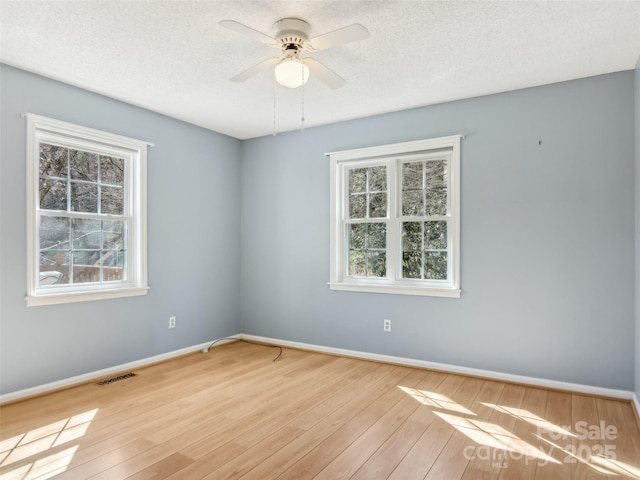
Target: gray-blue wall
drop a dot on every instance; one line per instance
(637, 134)
(548, 275)
(193, 230)
(548, 271)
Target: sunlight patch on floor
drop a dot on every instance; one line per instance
(532, 418)
(435, 399)
(18, 450)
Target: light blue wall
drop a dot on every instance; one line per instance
(637, 136)
(547, 237)
(193, 230)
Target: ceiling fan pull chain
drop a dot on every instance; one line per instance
(302, 117)
(274, 106)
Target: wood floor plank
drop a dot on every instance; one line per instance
(322, 454)
(173, 438)
(556, 438)
(585, 419)
(467, 428)
(387, 457)
(153, 421)
(234, 413)
(622, 459)
(495, 449)
(249, 450)
(450, 404)
(526, 447)
(357, 399)
(362, 448)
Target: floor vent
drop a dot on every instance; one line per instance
(115, 379)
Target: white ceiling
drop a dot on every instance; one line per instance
(172, 57)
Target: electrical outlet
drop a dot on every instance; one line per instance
(387, 325)
(172, 322)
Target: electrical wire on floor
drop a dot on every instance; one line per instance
(242, 340)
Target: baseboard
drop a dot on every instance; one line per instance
(410, 362)
(443, 367)
(635, 404)
(91, 376)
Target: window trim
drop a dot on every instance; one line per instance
(40, 128)
(367, 156)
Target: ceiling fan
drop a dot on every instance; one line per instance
(291, 36)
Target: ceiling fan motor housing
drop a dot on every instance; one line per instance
(291, 33)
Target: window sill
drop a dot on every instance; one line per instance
(397, 289)
(73, 297)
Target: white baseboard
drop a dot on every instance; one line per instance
(411, 362)
(91, 376)
(636, 405)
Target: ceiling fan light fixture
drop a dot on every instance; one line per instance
(291, 73)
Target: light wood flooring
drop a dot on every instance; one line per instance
(234, 413)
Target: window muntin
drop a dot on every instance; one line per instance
(87, 208)
(395, 218)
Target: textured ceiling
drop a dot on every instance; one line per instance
(172, 57)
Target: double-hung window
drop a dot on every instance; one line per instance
(86, 204)
(395, 218)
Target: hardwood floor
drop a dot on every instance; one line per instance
(234, 413)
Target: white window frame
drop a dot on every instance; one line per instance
(392, 156)
(47, 130)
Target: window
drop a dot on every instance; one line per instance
(86, 204)
(395, 218)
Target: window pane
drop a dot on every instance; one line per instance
(53, 160)
(437, 201)
(435, 235)
(113, 235)
(54, 233)
(376, 235)
(53, 194)
(436, 173)
(113, 265)
(84, 197)
(357, 234)
(377, 179)
(54, 245)
(54, 267)
(412, 203)
(376, 264)
(83, 165)
(367, 249)
(86, 234)
(419, 240)
(86, 266)
(411, 236)
(357, 180)
(357, 206)
(435, 265)
(412, 264)
(111, 170)
(412, 176)
(357, 264)
(112, 200)
(377, 205)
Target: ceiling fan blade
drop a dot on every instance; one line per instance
(260, 67)
(324, 74)
(249, 32)
(341, 36)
